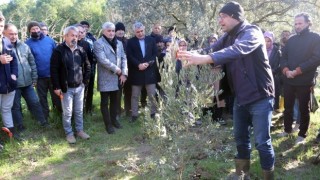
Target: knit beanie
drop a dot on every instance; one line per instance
(159, 38)
(120, 26)
(269, 34)
(32, 24)
(233, 9)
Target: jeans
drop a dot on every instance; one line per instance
(72, 103)
(43, 86)
(33, 104)
(256, 115)
(6, 102)
(302, 93)
(296, 112)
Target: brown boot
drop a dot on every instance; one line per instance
(242, 169)
(268, 174)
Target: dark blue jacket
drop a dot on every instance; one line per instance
(302, 50)
(247, 65)
(150, 75)
(7, 84)
(42, 50)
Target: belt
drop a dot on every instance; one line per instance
(73, 85)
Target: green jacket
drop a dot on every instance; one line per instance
(27, 70)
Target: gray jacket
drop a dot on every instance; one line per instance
(27, 70)
(108, 63)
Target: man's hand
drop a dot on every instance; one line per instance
(290, 74)
(193, 58)
(143, 66)
(58, 92)
(14, 77)
(122, 79)
(118, 72)
(5, 59)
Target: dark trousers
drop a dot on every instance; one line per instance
(127, 91)
(119, 97)
(43, 86)
(109, 110)
(277, 91)
(88, 92)
(302, 93)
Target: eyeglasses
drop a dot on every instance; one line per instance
(223, 16)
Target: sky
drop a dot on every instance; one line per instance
(4, 1)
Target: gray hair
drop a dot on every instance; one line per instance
(108, 25)
(137, 25)
(70, 28)
(306, 17)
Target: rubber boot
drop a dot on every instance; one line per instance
(242, 169)
(268, 174)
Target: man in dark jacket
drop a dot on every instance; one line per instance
(70, 72)
(88, 91)
(242, 49)
(301, 57)
(27, 78)
(8, 79)
(143, 70)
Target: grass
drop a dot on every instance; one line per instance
(204, 152)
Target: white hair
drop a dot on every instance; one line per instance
(70, 28)
(108, 25)
(137, 25)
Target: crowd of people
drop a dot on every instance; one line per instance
(259, 75)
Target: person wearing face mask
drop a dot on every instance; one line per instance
(70, 72)
(299, 62)
(41, 48)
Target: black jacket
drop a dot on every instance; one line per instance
(302, 51)
(150, 75)
(58, 66)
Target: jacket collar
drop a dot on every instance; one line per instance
(305, 31)
(238, 28)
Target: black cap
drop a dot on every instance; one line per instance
(120, 26)
(233, 9)
(85, 23)
(158, 38)
(32, 24)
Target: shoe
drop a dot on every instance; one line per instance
(221, 121)
(71, 139)
(300, 140)
(45, 125)
(296, 128)
(283, 134)
(133, 119)
(117, 125)
(83, 135)
(318, 138)
(153, 116)
(110, 130)
(21, 128)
